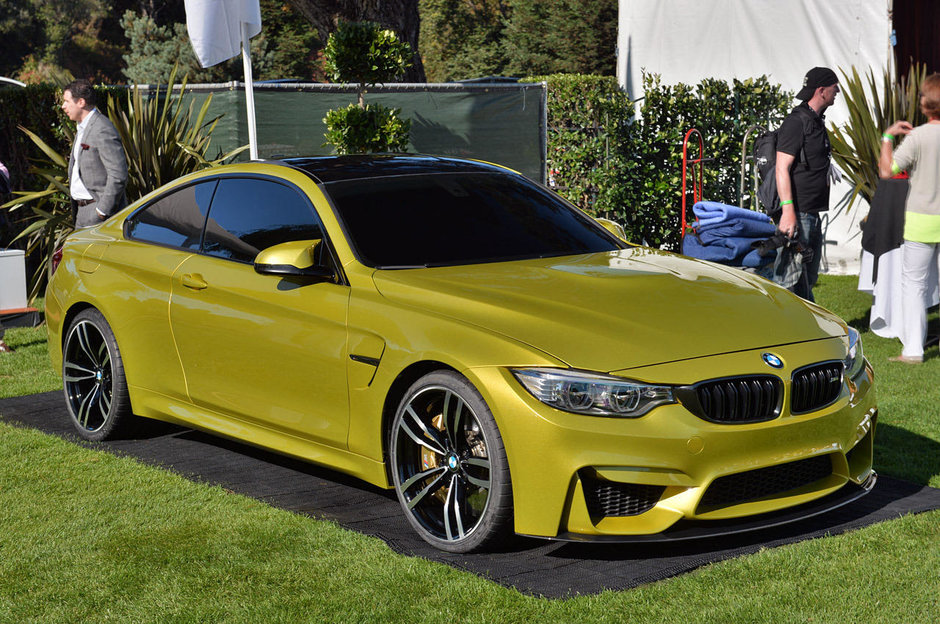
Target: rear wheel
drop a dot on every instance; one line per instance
(449, 465)
(93, 376)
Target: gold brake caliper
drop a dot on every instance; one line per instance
(429, 458)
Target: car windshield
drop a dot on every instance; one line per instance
(460, 218)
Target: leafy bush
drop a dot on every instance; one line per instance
(36, 107)
(722, 113)
(50, 216)
(588, 121)
(365, 53)
(628, 169)
(856, 146)
(373, 128)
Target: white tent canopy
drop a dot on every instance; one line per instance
(688, 40)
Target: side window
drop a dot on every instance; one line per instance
(175, 219)
(249, 215)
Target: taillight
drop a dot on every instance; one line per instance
(56, 259)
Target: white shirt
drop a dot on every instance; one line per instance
(77, 188)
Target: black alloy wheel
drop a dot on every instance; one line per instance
(449, 465)
(93, 376)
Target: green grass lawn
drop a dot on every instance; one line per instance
(86, 536)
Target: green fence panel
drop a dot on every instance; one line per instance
(500, 123)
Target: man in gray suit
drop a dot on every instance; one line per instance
(97, 167)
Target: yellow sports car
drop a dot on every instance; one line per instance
(454, 331)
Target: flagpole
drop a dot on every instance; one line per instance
(249, 94)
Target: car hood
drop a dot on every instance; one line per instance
(617, 310)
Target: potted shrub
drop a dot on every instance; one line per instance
(366, 54)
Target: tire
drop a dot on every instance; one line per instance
(449, 465)
(93, 378)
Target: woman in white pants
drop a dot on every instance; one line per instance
(919, 155)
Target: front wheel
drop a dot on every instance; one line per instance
(93, 378)
(449, 465)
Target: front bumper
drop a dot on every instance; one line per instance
(702, 529)
(590, 478)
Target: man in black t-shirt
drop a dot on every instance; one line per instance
(803, 164)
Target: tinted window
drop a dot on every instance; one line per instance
(249, 215)
(175, 219)
(463, 218)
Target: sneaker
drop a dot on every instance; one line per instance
(907, 359)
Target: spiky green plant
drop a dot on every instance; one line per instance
(50, 216)
(856, 145)
(162, 139)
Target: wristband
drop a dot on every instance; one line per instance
(887, 137)
(784, 202)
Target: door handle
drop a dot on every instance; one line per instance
(194, 281)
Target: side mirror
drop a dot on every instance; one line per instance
(613, 227)
(293, 259)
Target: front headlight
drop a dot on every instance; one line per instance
(591, 393)
(854, 360)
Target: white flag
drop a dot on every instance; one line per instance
(215, 27)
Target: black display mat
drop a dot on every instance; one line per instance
(538, 567)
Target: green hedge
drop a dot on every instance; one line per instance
(588, 121)
(630, 169)
(36, 107)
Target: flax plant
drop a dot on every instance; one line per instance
(50, 220)
(162, 138)
(856, 145)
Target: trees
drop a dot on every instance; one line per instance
(285, 48)
(461, 39)
(565, 36)
(400, 16)
(42, 40)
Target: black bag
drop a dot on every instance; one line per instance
(765, 159)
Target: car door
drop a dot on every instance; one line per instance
(262, 349)
(158, 238)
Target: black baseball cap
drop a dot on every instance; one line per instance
(815, 78)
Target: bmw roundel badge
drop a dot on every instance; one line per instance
(771, 360)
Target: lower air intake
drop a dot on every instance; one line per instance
(754, 484)
(609, 498)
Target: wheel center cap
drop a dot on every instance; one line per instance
(99, 376)
(453, 463)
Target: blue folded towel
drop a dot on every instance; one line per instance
(730, 251)
(714, 212)
(736, 228)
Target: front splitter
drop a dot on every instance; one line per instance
(704, 529)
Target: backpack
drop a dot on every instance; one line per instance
(765, 159)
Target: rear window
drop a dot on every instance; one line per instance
(463, 218)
